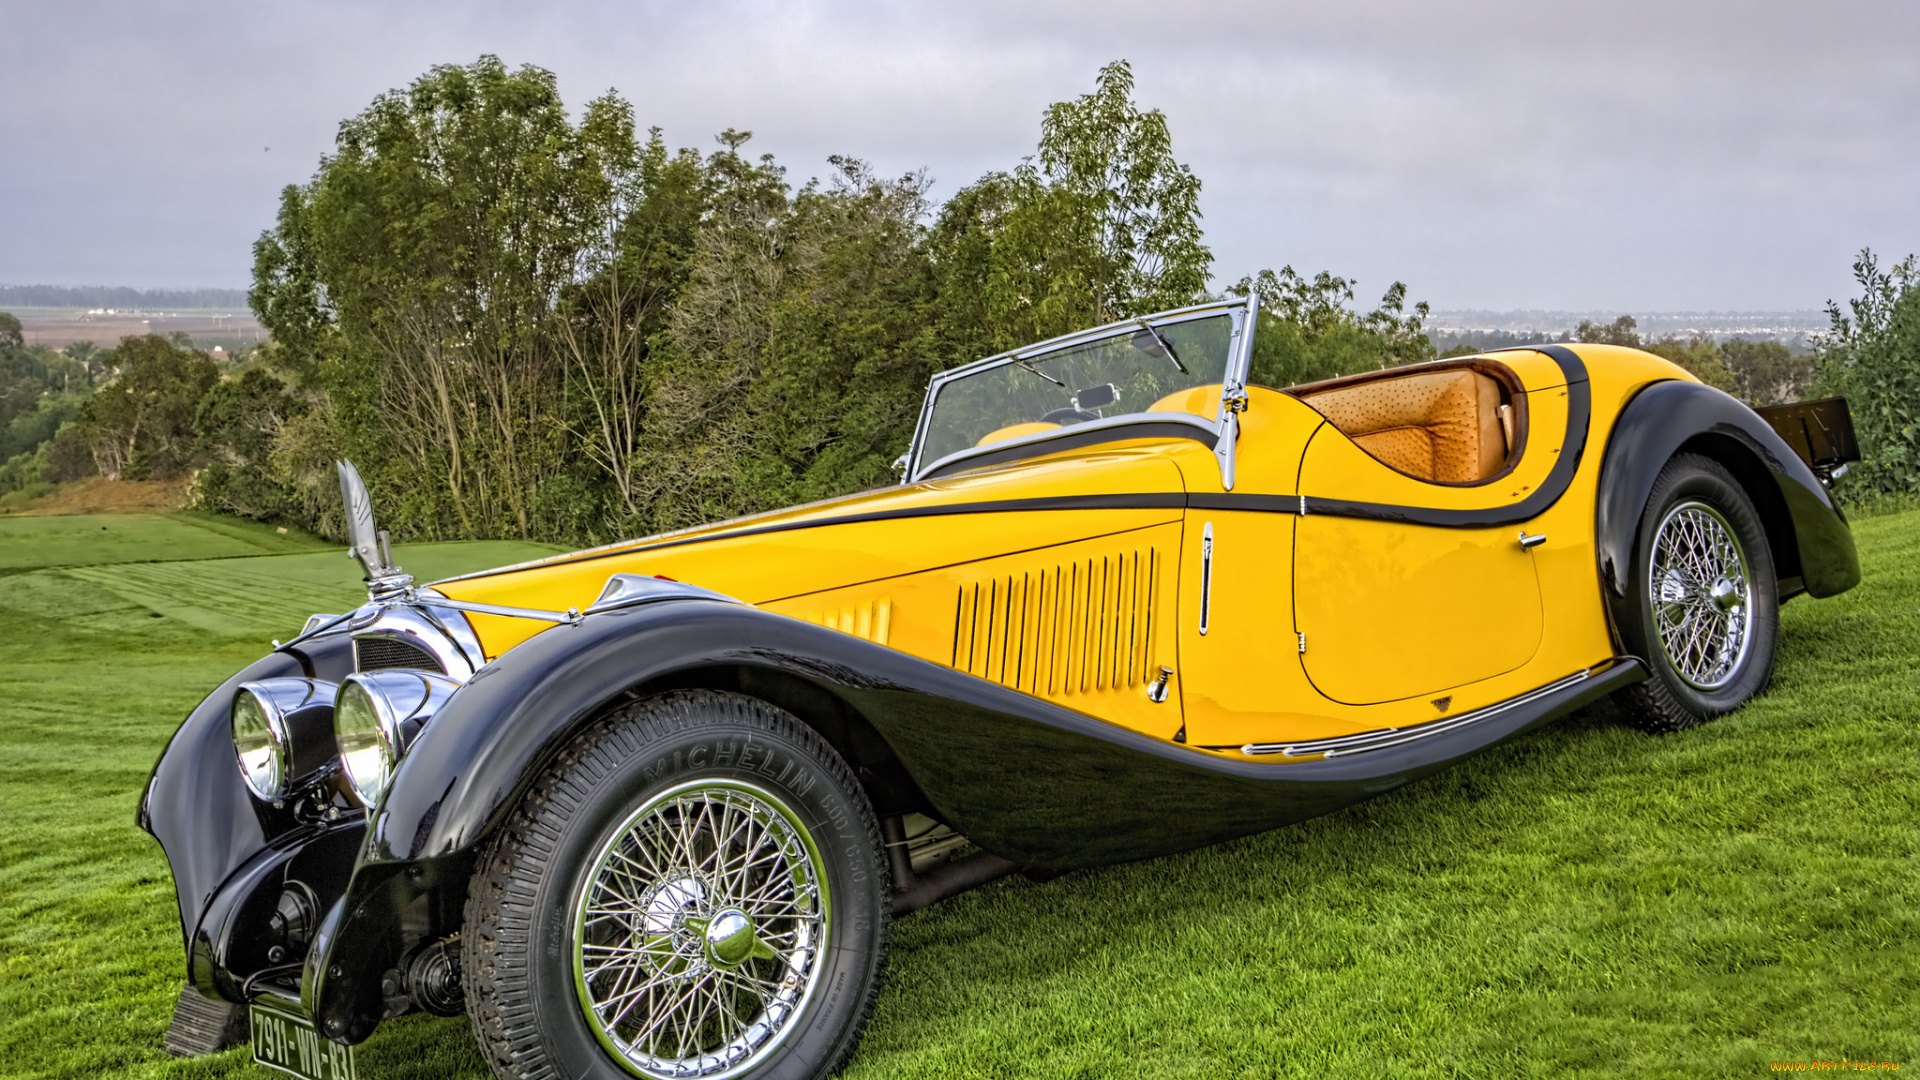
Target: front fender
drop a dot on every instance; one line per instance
(1809, 535)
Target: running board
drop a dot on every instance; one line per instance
(1369, 741)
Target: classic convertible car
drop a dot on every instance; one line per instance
(647, 810)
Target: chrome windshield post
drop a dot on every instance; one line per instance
(1233, 391)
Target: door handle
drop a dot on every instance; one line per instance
(1528, 543)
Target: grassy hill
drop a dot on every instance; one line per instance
(1587, 900)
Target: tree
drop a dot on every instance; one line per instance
(141, 423)
(1619, 332)
(238, 424)
(1872, 356)
(1309, 329)
(634, 265)
(1106, 223)
(1700, 356)
(420, 276)
(1765, 372)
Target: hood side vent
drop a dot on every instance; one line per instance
(373, 653)
(1058, 631)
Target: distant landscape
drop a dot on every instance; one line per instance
(57, 316)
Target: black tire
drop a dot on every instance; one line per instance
(594, 809)
(1698, 503)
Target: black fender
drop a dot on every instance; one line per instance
(1041, 785)
(209, 825)
(1812, 544)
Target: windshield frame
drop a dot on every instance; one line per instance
(1233, 382)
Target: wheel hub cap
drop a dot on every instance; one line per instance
(730, 938)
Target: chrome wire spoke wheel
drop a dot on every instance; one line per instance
(1701, 593)
(700, 931)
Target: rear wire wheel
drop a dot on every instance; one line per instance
(1703, 604)
(696, 888)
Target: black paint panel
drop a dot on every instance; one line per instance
(1028, 780)
(1667, 416)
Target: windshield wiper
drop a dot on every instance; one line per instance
(1027, 366)
(1171, 355)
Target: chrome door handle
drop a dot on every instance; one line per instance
(1528, 543)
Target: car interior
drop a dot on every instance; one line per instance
(1455, 425)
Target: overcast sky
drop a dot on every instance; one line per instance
(1656, 155)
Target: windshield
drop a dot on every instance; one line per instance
(1148, 368)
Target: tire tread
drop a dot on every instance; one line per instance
(500, 904)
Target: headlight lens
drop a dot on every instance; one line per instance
(261, 745)
(376, 718)
(282, 734)
(365, 751)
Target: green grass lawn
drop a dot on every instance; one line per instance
(1587, 900)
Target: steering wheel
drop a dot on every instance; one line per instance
(1068, 416)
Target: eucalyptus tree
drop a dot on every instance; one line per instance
(419, 277)
(1103, 223)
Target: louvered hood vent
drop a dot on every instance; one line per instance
(1056, 631)
(373, 653)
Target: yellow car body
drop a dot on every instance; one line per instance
(1320, 626)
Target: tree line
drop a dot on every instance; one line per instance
(522, 325)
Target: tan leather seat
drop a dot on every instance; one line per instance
(1442, 426)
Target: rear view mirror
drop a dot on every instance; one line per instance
(1096, 397)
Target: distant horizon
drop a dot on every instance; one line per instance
(237, 297)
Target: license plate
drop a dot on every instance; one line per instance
(290, 1043)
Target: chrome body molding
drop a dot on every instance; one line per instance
(1367, 741)
(1206, 577)
(627, 590)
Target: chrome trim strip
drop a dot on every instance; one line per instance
(311, 631)
(1206, 576)
(569, 617)
(1368, 741)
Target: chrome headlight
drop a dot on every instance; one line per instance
(376, 718)
(282, 733)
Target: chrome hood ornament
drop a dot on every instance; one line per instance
(369, 546)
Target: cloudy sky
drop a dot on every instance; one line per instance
(1637, 156)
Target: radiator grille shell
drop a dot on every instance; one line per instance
(375, 652)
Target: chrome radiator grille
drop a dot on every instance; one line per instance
(373, 653)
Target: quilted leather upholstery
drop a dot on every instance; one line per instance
(1442, 426)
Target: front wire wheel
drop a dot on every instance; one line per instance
(699, 930)
(1703, 606)
(695, 887)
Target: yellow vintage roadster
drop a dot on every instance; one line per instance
(647, 810)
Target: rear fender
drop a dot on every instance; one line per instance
(1812, 545)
